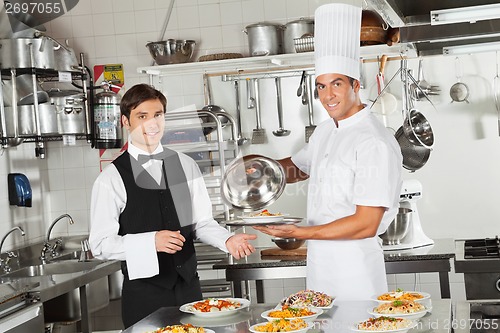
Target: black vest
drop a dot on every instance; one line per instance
(152, 207)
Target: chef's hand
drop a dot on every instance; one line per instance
(169, 241)
(282, 231)
(238, 245)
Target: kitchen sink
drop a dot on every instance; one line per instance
(60, 267)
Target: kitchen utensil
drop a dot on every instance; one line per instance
(301, 84)
(309, 90)
(288, 243)
(24, 91)
(459, 92)
(264, 38)
(70, 109)
(171, 51)
(211, 108)
(296, 29)
(26, 126)
(253, 183)
(373, 28)
(280, 131)
(414, 156)
(240, 140)
(16, 53)
(250, 94)
(496, 91)
(385, 103)
(65, 58)
(304, 43)
(398, 228)
(259, 135)
(418, 129)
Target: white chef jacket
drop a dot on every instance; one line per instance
(109, 199)
(357, 163)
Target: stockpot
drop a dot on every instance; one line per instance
(296, 29)
(264, 38)
(26, 120)
(16, 53)
(70, 110)
(24, 91)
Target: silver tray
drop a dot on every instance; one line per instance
(241, 223)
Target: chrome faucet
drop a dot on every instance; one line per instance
(47, 245)
(4, 263)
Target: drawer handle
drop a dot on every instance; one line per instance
(497, 284)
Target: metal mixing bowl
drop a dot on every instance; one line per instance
(253, 184)
(398, 228)
(288, 243)
(418, 130)
(171, 51)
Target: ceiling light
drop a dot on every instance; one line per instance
(471, 48)
(469, 14)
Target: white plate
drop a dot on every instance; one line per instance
(285, 220)
(188, 308)
(263, 219)
(409, 316)
(309, 326)
(317, 311)
(399, 330)
(318, 307)
(424, 294)
(207, 330)
(238, 317)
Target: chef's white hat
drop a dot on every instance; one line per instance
(337, 29)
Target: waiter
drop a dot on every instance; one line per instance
(354, 169)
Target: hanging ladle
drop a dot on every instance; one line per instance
(459, 92)
(280, 131)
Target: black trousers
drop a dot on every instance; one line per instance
(140, 298)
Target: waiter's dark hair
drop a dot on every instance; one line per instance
(139, 94)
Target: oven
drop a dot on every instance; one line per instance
(479, 261)
(476, 317)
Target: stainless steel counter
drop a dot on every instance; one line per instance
(433, 258)
(336, 320)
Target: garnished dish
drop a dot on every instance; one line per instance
(289, 312)
(309, 298)
(402, 309)
(282, 325)
(215, 307)
(385, 324)
(401, 295)
(263, 216)
(265, 212)
(188, 328)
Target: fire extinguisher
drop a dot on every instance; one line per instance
(107, 120)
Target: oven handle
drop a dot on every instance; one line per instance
(20, 317)
(497, 284)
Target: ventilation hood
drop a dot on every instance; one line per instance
(415, 22)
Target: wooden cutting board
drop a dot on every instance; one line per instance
(301, 251)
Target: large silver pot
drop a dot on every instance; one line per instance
(26, 120)
(65, 59)
(24, 91)
(70, 110)
(16, 53)
(296, 29)
(264, 38)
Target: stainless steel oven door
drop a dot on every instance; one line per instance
(482, 285)
(28, 319)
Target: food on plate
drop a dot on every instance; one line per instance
(308, 298)
(282, 325)
(384, 324)
(214, 305)
(188, 328)
(399, 307)
(265, 212)
(291, 312)
(400, 295)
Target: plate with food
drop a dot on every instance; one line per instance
(289, 312)
(312, 298)
(215, 307)
(402, 295)
(401, 309)
(187, 328)
(285, 220)
(282, 325)
(264, 216)
(384, 324)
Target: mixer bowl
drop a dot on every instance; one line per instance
(398, 228)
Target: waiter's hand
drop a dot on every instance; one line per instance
(238, 245)
(169, 241)
(282, 231)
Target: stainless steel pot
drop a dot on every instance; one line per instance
(296, 29)
(26, 120)
(264, 38)
(16, 53)
(70, 110)
(65, 60)
(398, 228)
(24, 91)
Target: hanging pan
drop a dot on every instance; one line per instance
(414, 156)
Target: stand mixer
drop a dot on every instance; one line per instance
(411, 191)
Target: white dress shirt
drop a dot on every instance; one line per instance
(109, 199)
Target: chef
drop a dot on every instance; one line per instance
(353, 164)
(147, 207)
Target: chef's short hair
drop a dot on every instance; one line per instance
(138, 94)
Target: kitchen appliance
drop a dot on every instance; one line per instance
(411, 191)
(477, 316)
(107, 119)
(479, 260)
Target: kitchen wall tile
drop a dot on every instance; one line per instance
(90, 156)
(72, 157)
(210, 37)
(253, 11)
(188, 17)
(99, 6)
(192, 83)
(275, 10)
(141, 40)
(186, 3)
(160, 14)
(172, 21)
(85, 45)
(126, 45)
(231, 13)
(55, 158)
(124, 23)
(103, 24)
(456, 277)
(76, 200)
(57, 201)
(457, 291)
(56, 182)
(206, 2)
(144, 4)
(287, 291)
(314, 4)
(131, 63)
(296, 9)
(61, 28)
(273, 283)
(406, 278)
(209, 15)
(295, 282)
(105, 46)
(122, 5)
(273, 295)
(74, 178)
(232, 36)
(163, 3)
(82, 25)
(391, 279)
(145, 20)
(4, 194)
(173, 102)
(429, 277)
(81, 219)
(197, 100)
(82, 8)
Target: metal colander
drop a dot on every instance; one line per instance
(414, 156)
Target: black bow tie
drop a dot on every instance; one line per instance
(146, 158)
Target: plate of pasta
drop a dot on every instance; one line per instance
(215, 307)
(402, 295)
(384, 324)
(400, 309)
(187, 328)
(289, 312)
(282, 325)
(263, 217)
